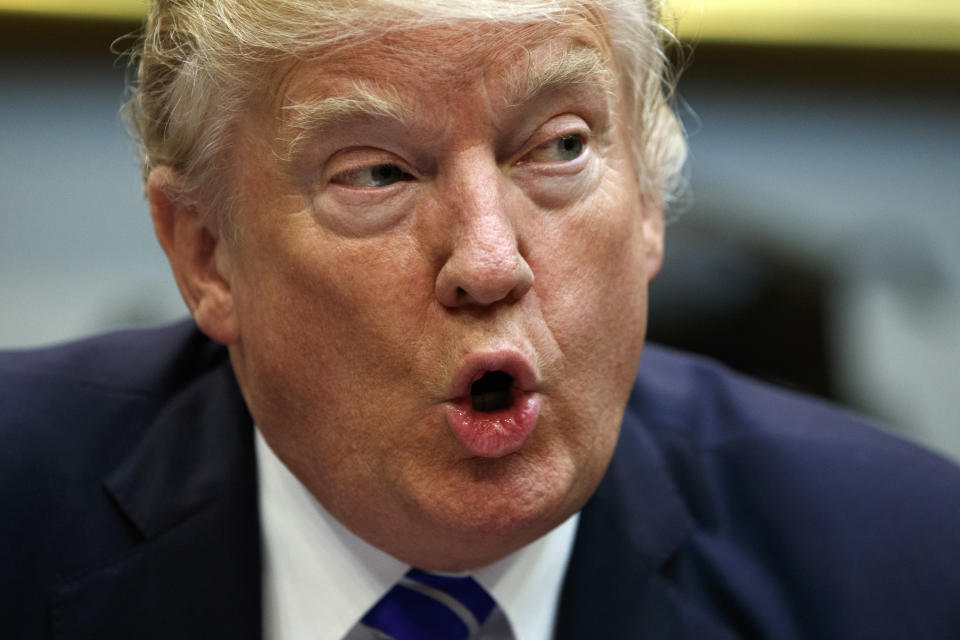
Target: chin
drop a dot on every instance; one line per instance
(495, 506)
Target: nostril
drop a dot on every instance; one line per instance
(492, 391)
(474, 277)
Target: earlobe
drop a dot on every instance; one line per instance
(653, 230)
(198, 258)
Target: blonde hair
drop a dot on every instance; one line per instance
(202, 63)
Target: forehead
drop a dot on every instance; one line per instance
(451, 56)
(451, 50)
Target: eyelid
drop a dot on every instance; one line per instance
(546, 146)
(561, 125)
(355, 160)
(353, 177)
(543, 147)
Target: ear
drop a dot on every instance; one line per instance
(199, 259)
(653, 229)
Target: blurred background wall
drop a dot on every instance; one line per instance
(820, 246)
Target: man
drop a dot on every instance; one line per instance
(416, 239)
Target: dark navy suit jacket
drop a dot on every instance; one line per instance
(730, 510)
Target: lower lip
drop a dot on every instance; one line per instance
(496, 433)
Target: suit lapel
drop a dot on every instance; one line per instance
(630, 528)
(189, 489)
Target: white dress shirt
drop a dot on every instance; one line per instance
(319, 578)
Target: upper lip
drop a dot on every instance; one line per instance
(475, 365)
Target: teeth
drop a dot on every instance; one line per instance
(491, 400)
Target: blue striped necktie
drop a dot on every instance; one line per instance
(424, 606)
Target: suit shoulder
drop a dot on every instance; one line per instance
(816, 499)
(701, 403)
(107, 443)
(69, 409)
(737, 445)
(713, 405)
(147, 361)
(697, 405)
(853, 528)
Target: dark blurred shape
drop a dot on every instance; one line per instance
(757, 312)
(737, 287)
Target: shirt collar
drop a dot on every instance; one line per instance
(319, 578)
(526, 584)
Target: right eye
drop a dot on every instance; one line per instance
(378, 175)
(561, 149)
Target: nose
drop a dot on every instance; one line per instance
(485, 265)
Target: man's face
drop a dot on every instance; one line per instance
(464, 210)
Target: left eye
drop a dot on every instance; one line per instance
(561, 149)
(378, 175)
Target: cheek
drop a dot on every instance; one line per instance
(328, 329)
(321, 314)
(592, 287)
(592, 275)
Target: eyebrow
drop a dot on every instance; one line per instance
(525, 81)
(578, 65)
(302, 119)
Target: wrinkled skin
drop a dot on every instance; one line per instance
(370, 264)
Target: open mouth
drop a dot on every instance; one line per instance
(492, 392)
(493, 404)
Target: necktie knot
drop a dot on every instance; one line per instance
(426, 606)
